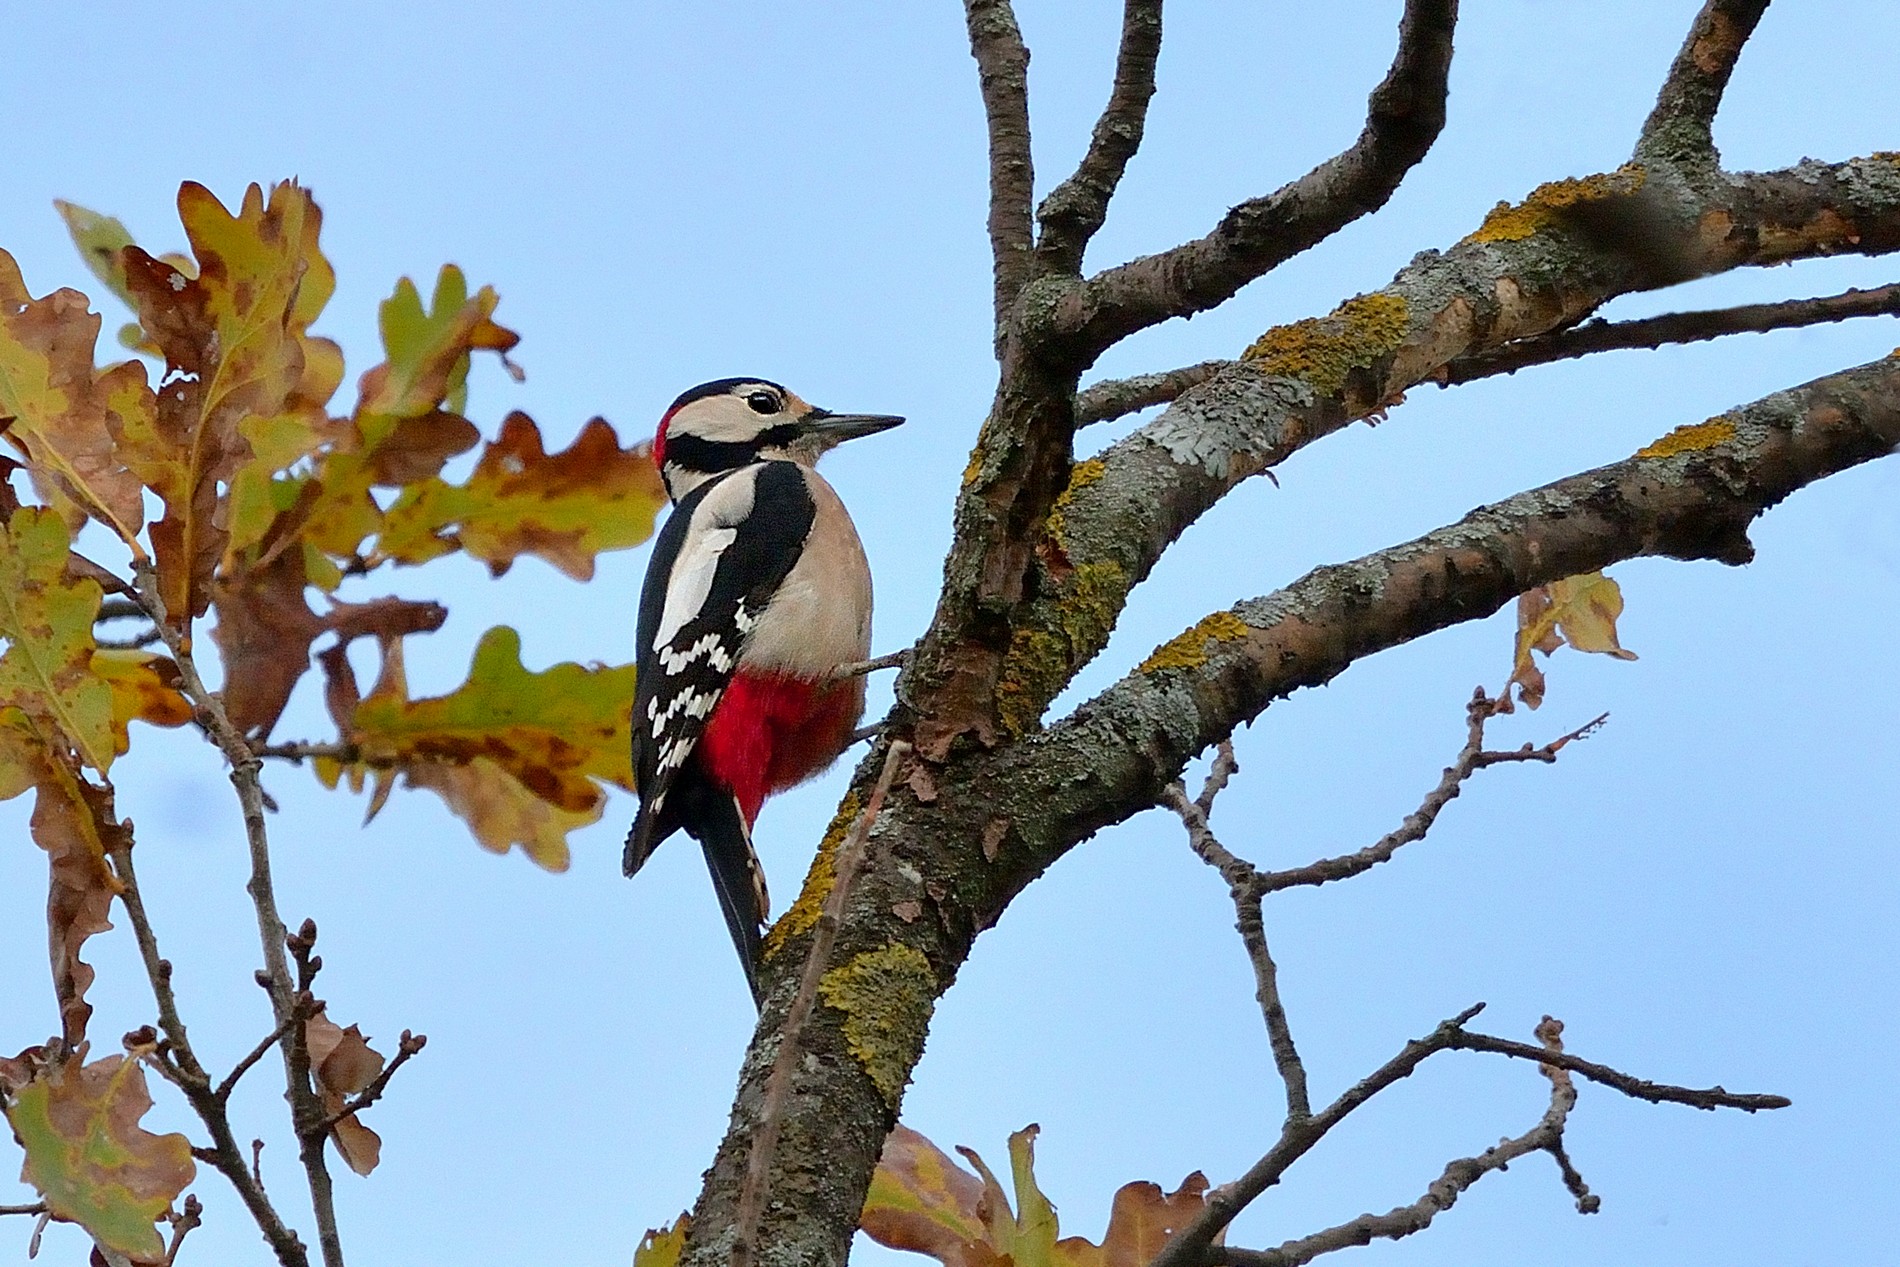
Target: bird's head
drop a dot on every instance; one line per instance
(734, 422)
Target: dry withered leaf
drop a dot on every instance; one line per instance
(91, 1160)
(922, 1201)
(1580, 610)
(501, 812)
(74, 822)
(564, 507)
(57, 406)
(343, 1063)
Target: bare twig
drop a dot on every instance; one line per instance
(118, 609)
(1112, 398)
(1188, 1247)
(38, 1207)
(179, 1064)
(136, 641)
(1076, 208)
(751, 1205)
(1471, 759)
(1002, 64)
(1636, 1088)
(1674, 327)
(1443, 1193)
(858, 668)
(305, 1107)
(1243, 883)
(1404, 116)
(257, 1053)
(182, 1223)
(1680, 128)
(406, 1046)
(297, 751)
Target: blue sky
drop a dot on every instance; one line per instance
(1704, 892)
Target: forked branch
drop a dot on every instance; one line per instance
(1404, 116)
(1076, 208)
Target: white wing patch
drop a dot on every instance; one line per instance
(690, 582)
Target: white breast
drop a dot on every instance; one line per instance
(820, 617)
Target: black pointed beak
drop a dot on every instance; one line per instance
(837, 428)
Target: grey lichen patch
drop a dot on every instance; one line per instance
(886, 996)
(1228, 418)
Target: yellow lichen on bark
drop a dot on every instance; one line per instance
(1324, 350)
(1081, 475)
(1513, 223)
(1189, 650)
(803, 913)
(1690, 437)
(886, 996)
(1043, 650)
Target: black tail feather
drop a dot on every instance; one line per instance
(737, 880)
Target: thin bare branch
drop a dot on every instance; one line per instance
(245, 764)
(175, 1059)
(858, 668)
(778, 1087)
(1443, 1193)
(1076, 208)
(1243, 882)
(1636, 1088)
(1115, 397)
(1188, 1247)
(38, 1207)
(224, 1089)
(182, 1223)
(296, 751)
(1002, 65)
(406, 1047)
(1675, 327)
(1681, 127)
(1472, 758)
(1404, 116)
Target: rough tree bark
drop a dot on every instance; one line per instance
(983, 797)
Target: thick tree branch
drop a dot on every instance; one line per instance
(1002, 65)
(1680, 128)
(1076, 208)
(1674, 327)
(1403, 118)
(1531, 269)
(1690, 495)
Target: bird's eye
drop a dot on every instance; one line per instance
(762, 402)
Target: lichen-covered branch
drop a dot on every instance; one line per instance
(1403, 118)
(1673, 327)
(1690, 495)
(1112, 398)
(1002, 64)
(1529, 269)
(1681, 127)
(1076, 208)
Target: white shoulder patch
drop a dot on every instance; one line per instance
(712, 530)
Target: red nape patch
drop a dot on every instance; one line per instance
(659, 440)
(769, 733)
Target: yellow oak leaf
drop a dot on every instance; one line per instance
(91, 1160)
(144, 688)
(46, 619)
(57, 407)
(428, 351)
(501, 811)
(1579, 610)
(233, 346)
(565, 507)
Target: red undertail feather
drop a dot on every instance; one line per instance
(770, 732)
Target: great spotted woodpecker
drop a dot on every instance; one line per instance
(757, 592)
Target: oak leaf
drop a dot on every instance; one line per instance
(428, 350)
(91, 1160)
(1579, 610)
(233, 346)
(661, 1246)
(144, 688)
(564, 507)
(46, 619)
(342, 1064)
(922, 1201)
(74, 822)
(560, 732)
(501, 811)
(56, 407)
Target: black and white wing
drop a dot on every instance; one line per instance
(715, 566)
